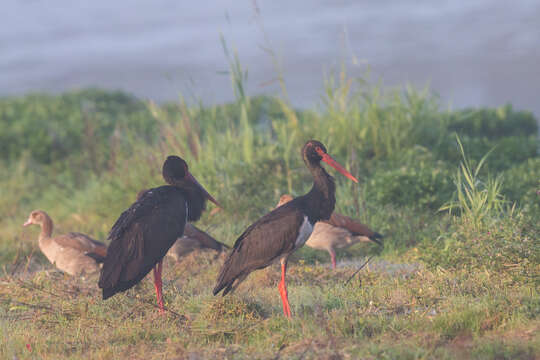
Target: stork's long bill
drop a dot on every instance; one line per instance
(333, 163)
(208, 196)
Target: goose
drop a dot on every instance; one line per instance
(73, 253)
(194, 239)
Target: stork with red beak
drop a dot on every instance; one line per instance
(279, 233)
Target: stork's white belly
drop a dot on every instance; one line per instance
(304, 233)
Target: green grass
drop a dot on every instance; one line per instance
(459, 284)
(423, 314)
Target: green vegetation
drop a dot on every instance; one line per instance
(458, 276)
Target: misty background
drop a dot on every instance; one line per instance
(474, 53)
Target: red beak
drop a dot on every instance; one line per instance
(333, 163)
(28, 222)
(208, 196)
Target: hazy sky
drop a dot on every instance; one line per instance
(476, 52)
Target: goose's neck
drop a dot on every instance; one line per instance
(46, 229)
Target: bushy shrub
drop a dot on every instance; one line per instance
(488, 232)
(98, 172)
(415, 179)
(493, 123)
(53, 128)
(522, 185)
(506, 152)
(507, 245)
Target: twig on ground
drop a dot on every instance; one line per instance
(360, 268)
(180, 316)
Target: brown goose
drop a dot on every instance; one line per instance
(73, 253)
(339, 232)
(193, 239)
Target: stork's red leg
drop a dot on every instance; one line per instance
(333, 257)
(283, 289)
(158, 285)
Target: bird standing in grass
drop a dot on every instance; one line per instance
(279, 233)
(193, 239)
(73, 253)
(338, 232)
(143, 234)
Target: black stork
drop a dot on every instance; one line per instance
(193, 239)
(143, 234)
(279, 233)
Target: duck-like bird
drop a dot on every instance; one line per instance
(338, 232)
(143, 234)
(194, 239)
(279, 233)
(73, 253)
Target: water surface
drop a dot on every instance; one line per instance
(478, 52)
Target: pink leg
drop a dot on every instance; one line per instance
(158, 286)
(282, 287)
(333, 257)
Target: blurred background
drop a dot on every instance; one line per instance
(474, 53)
(433, 105)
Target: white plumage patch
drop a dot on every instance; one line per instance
(305, 232)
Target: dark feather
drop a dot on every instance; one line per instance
(81, 242)
(97, 257)
(141, 237)
(274, 235)
(266, 240)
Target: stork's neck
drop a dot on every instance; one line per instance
(321, 199)
(196, 202)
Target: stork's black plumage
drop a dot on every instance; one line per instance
(280, 232)
(193, 239)
(143, 234)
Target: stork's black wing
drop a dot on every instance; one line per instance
(141, 237)
(264, 241)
